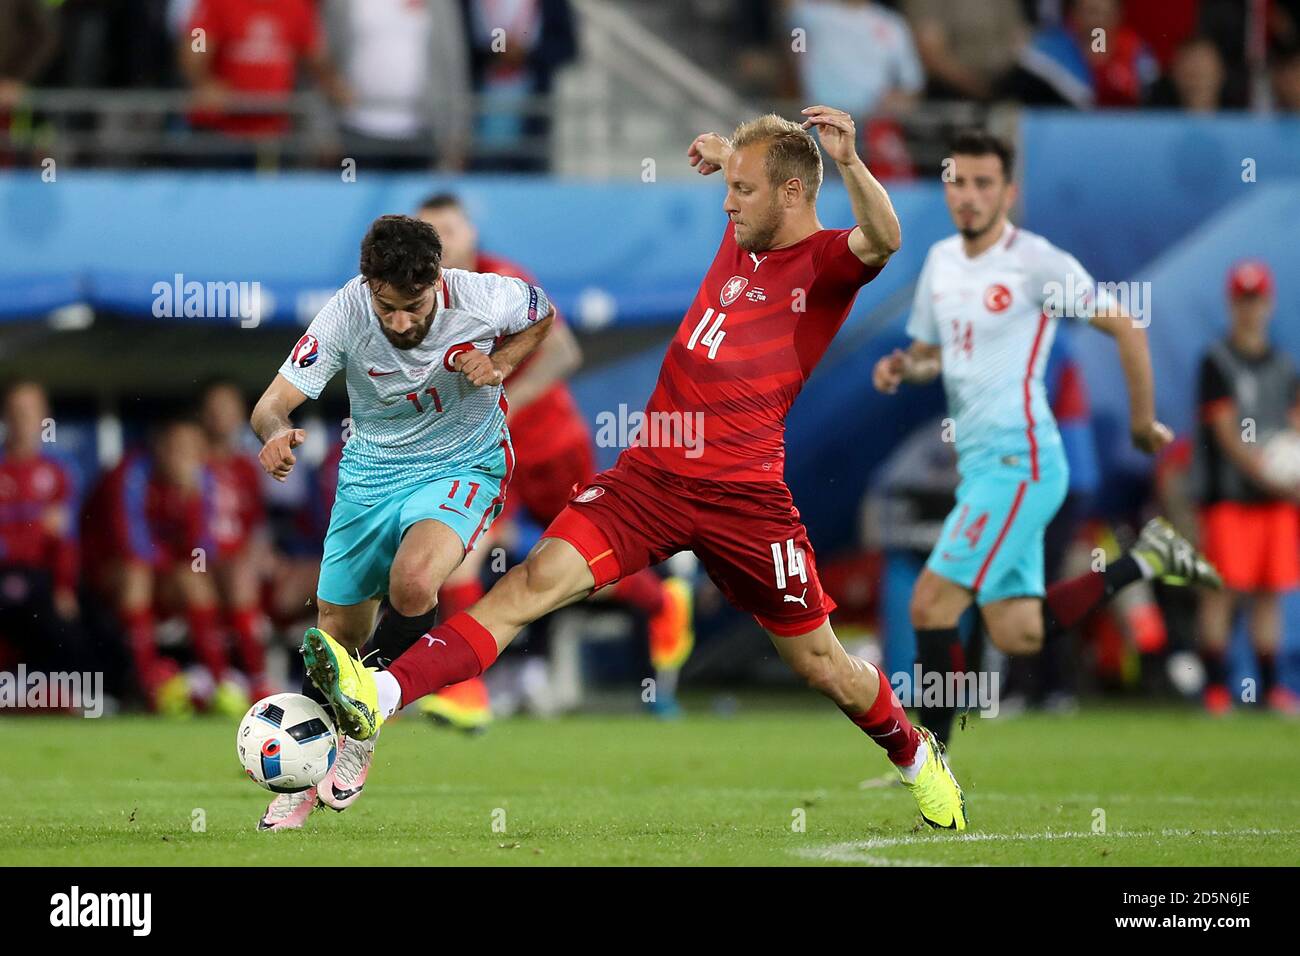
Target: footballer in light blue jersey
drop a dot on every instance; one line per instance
(988, 302)
(424, 351)
(427, 456)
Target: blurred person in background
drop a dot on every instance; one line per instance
(1247, 392)
(28, 41)
(297, 516)
(516, 48)
(1165, 26)
(1090, 59)
(1284, 74)
(763, 67)
(253, 47)
(407, 65)
(238, 521)
(861, 54)
(553, 456)
(148, 539)
(858, 53)
(1196, 80)
(39, 609)
(967, 49)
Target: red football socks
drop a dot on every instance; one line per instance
(205, 640)
(454, 651)
(246, 623)
(886, 723)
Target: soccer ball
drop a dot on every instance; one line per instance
(286, 743)
(1282, 459)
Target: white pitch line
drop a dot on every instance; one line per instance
(1100, 799)
(859, 852)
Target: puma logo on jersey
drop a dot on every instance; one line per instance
(757, 261)
(801, 599)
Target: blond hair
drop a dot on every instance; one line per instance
(792, 152)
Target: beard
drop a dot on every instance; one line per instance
(975, 230)
(759, 234)
(413, 336)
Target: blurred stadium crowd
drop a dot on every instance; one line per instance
(466, 84)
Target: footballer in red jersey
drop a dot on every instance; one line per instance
(553, 456)
(706, 472)
(38, 544)
(147, 536)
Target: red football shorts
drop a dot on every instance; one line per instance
(747, 534)
(1256, 547)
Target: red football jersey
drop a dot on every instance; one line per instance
(134, 514)
(29, 489)
(256, 46)
(759, 324)
(237, 508)
(550, 423)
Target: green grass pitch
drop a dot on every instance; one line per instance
(1172, 787)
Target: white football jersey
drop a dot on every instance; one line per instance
(413, 416)
(995, 316)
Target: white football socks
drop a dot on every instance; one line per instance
(390, 693)
(913, 770)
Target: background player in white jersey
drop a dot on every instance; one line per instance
(425, 467)
(985, 313)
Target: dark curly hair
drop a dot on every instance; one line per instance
(402, 252)
(973, 141)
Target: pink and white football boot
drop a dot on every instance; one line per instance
(343, 784)
(288, 811)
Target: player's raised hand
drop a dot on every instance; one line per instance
(836, 130)
(479, 368)
(708, 153)
(1151, 437)
(277, 455)
(888, 374)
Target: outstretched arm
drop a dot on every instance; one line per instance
(1147, 433)
(270, 421)
(878, 235)
(921, 363)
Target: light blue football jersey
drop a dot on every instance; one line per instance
(413, 416)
